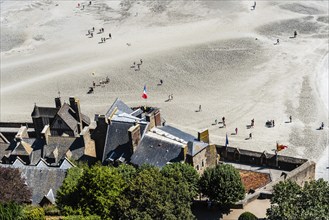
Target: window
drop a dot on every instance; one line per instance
(197, 167)
(202, 163)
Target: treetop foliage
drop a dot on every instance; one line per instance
(13, 187)
(222, 184)
(291, 201)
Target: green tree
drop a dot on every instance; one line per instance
(99, 188)
(291, 201)
(247, 216)
(68, 195)
(183, 173)
(13, 187)
(128, 172)
(150, 195)
(222, 184)
(90, 191)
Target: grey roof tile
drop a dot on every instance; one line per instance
(178, 133)
(43, 112)
(195, 147)
(157, 151)
(120, 105)
(117, 140)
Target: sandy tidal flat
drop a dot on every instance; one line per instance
(220, 55)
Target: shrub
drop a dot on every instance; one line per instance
(33, 213)
(81, 217)
(51, 210)
(247, 216)
(9, 211)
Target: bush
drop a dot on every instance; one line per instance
(222, 184)
(33, 213)
(51, 210)
(10, 211)
(81, 217)
(247, 216)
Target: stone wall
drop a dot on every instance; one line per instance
(236, 155)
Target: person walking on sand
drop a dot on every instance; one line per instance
(322, 125)
(250, 135)
(290, 118)
(273, 123)
(91, 34)
(110, 36)
(200, 108)
(89, 2)
(161, 81)
(215, 121)
(236, 131)
(223, 120)
(141, 61)
(93, 28)
(254, 6)
(277, 41)
(295, 34)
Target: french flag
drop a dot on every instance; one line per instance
(144, 96)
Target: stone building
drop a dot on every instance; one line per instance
(60, 132)
(139, 136)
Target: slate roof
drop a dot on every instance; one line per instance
(3, 139)
(22, 149)
(64, 114)
(158, 151)
(194, 147)
(63, 144)
(4, 150)
(41, 180)
(117, 140)
(178, 133)
(37, 151)
(43, 112)
(85, 119)
(120, 105)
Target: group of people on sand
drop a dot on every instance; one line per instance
(83, 6)
(253, 7)
(102, 83)
(269, 123)
(101, 30)
(137, 66)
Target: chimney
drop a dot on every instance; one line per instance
(134, 136)
(150, 119)
(99, 134)
(157, 117)
(75, 105)
(58, 102)
(203, 136)
(22, 133)
(45, 133)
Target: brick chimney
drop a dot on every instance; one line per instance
(151, 120)
(58, 102)
(75, 105)
(157, 117)
(99, 134)
(134, 136)
(203, 136)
